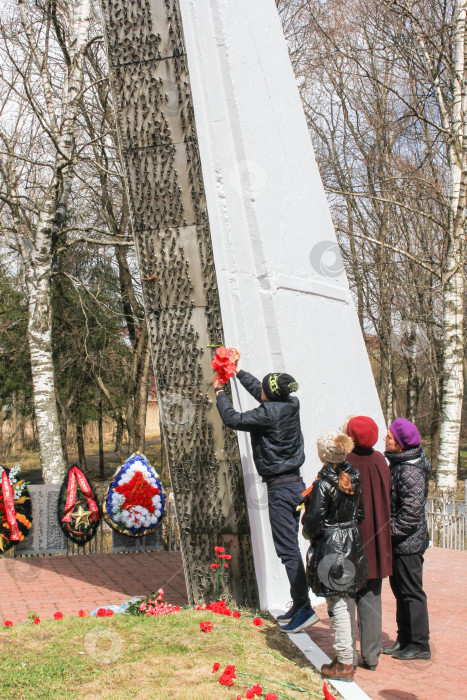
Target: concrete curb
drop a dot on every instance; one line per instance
(317, 657)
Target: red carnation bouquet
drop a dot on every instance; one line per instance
(223, 365)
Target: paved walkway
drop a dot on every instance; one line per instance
(49, 584)
(445, 675)
(66, 584)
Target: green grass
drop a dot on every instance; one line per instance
(151, 658)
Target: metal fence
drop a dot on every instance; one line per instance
(447, 523)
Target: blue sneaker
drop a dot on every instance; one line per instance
(285, 617)
(303, 618)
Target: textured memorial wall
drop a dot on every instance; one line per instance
(160, 156)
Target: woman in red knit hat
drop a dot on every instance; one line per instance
(375, 530)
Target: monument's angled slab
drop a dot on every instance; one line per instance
(283, 291)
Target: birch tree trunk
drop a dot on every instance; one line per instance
(453, 291)
(37, 257)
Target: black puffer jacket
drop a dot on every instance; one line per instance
(409, 490)
(338, 564)
(276, 436)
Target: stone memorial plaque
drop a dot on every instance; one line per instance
(124, 543)
(45, 536)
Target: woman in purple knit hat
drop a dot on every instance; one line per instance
(409, 533)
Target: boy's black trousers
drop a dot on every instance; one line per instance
(285, 520)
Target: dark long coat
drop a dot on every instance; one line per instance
(375, 477)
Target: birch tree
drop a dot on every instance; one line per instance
(383, 85)
(438, 63)
(37, 41)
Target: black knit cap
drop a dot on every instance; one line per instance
(278, 386)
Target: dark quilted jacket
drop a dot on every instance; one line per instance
(274, 426)
(338, 564)
(409, 491)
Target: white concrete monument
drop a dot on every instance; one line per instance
(284, 294)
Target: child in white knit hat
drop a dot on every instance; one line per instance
(338, 567)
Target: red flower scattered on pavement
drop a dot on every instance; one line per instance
(36, 620)
(206, 626)
(216, 667)
(327, 694)
(257, 621)
(271, 696)
(58, 616)
(214, 566)
(81, 613)
(235, 613)
(8, 623)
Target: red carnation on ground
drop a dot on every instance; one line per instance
(8, 623)
(228, 676)
(257, 621)
(226, 680)
(102, 612)
(257, 689)
(327, 694)
(230, 671)
(109, 613)
(58, 616)
(206, 626)
(36, 621)
(273, 696)
(216, 667)
(235, 613)
(81, 613)
(250, 694)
